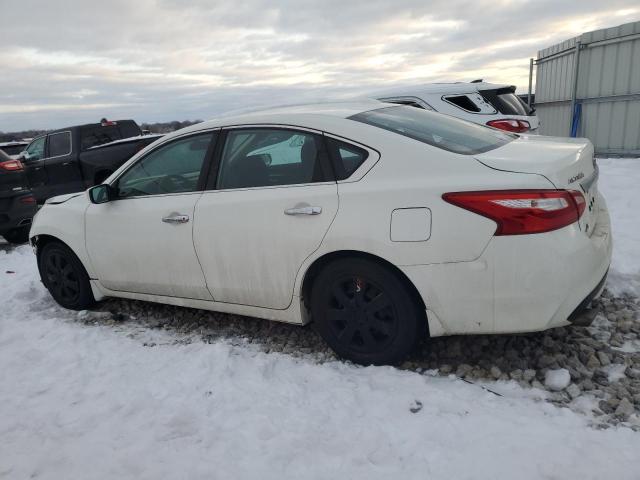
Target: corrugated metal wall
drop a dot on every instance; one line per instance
(608, 88)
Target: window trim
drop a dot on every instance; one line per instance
(323, 155)
(213, 142)
(59, 133)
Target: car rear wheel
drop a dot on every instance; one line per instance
(17, 235)
(365, 312)
(65, 277)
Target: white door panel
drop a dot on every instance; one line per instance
(133, 249)
(250, 249)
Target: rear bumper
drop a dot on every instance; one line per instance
(583, 315)
(519, 284)
(14, 213)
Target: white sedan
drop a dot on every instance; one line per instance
(380, 224)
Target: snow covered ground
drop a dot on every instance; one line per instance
(84, 402)
(620, 183)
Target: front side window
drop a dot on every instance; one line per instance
(442, 131)
(269, 157)
(35, 150)
(171, 168)
(59, 144)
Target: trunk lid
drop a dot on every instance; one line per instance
(568, 163)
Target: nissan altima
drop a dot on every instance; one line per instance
(381, 225)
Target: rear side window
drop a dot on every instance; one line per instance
(506, 102)
(411, 101)
(267, 157)
(95, 135)
(59, 144)
(346, 157)
(442, 131)
(463, 102)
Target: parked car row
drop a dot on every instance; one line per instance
(480, 102)
(61, 161)
(382, 224)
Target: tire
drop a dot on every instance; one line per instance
(17, 235)
(365, 312)
(64, 276)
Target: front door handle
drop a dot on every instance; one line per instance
(176, 218)
(303, 211)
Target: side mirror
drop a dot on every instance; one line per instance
(101, 193)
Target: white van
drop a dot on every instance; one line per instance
(486, 103)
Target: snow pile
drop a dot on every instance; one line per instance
(619, 181)
(557, 380)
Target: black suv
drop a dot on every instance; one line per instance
(17, 204)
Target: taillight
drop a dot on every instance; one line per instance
(510, 125)
(30, 200)
(520, 212)
(11, 165)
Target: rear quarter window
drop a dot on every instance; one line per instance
(442, 131)
(346, 158)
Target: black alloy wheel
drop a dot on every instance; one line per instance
(65, 277)
(361, 315)
(365, 313)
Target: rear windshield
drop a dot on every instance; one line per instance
(442, 131)
(95, 135)
(12, 149)
(506, 102)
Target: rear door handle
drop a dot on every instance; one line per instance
(303, 211)
(176, 218)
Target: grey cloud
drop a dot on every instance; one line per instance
(170, 59)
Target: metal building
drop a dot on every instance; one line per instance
(589, 86)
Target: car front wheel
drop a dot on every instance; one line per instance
(65, 277)
(365, 313)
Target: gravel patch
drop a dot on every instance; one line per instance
(594, 368)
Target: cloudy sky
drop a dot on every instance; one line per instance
(66, 61)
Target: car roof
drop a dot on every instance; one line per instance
(438, 88)
(310, 115)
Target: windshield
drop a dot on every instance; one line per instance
(442, 131)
